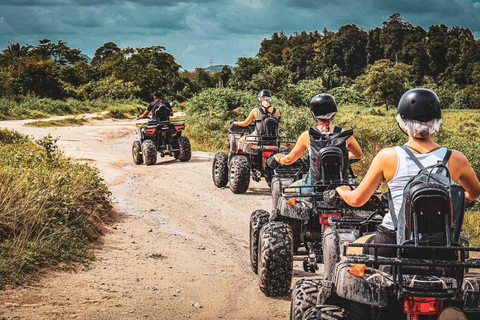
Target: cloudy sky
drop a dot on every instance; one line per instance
(196, 32)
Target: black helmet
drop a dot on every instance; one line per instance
(264, 93)
(419, 104)
(323, 106)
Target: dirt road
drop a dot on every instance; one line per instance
(179, 249)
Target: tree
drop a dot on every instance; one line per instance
(245, 69)
(385, 81)
(225, 74)
(393, 32)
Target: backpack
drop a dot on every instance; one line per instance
(266, 123)
(433, 205)
(329, 156)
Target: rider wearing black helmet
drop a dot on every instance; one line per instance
(323, 108)
(419, 116)
(257, 114)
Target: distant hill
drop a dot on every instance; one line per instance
(217, 68)
(88, 58)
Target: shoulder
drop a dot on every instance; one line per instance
(458, 159)
(386, 155)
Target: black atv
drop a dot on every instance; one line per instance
(295, 228)
(160, 136)
(248, 160)
(428, 278)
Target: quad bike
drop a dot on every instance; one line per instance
(429, 277)
(160, 137)
(294, 230)
(248, 160)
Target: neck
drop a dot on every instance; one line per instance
(423, 145)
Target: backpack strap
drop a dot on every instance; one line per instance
(412, 156)
(337, 129)
(447, 157)
(391, 209)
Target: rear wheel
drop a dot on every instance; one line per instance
(275, 258)
(239, 174)
(304, 296)
(220, 169)
(149, 152)
(137, 152)
(257, 219)
(185, 153)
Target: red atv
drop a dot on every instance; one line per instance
(248, 159)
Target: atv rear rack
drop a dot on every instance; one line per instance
(400, 264)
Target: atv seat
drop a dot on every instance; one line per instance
(162, 113)
(331, 165)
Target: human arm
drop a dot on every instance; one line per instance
(383, 167)
(297, 151)
(145, 114)
(462, 171)
(354, 150)
(247, 121)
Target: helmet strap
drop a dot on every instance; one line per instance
(398, 124)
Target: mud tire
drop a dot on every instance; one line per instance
(275, 259)
(326, 312)
(137, 152)
(239, 174)
(220, 169)
(149, 152)
(257, 219)
(304, 296)
(331, 252)
(185, 153)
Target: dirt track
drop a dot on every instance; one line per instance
(179, 249)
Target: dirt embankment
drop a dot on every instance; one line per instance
(179, 249)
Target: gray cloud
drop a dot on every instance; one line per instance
(196, 31)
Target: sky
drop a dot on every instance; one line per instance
(200, 33)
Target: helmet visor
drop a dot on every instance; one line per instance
(327, 116)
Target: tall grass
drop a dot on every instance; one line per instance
(51, 208)
(30, 107)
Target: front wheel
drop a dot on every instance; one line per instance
(275, 258)
(137, 152)
(220, 169)
(185, 153)
(304, 296)
(330, 251)
(326, 312)
(149, 152)
(257, 219)
(239, 174)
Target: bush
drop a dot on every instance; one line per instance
(51, 208)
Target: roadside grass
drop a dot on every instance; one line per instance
(70, 121)
(51, 208)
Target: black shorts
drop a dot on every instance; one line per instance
(386, 236)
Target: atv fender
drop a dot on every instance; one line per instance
(365, 290)
(300, 211)
(471, 292)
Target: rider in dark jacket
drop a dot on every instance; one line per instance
(165, 107)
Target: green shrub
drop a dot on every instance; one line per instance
(50, 207)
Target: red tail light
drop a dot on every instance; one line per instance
(152, 130)
(180, 127)
(323, 217)
(422, 306)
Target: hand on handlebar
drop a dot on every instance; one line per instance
(272, 163)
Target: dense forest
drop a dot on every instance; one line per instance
(365, 67)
